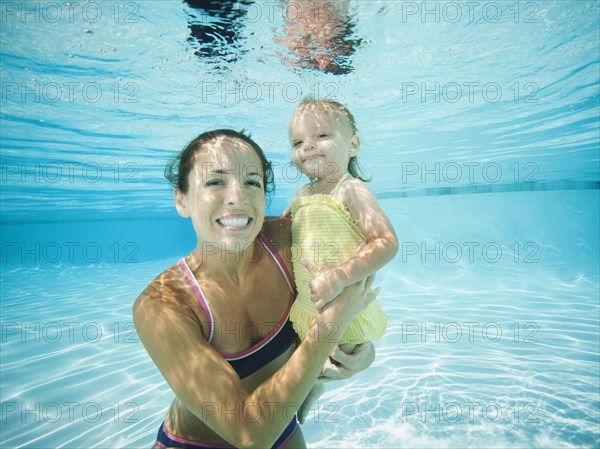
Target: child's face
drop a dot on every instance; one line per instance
(322, 142)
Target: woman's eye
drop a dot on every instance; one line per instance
(255, 183)
(323, 135)
(214, 182)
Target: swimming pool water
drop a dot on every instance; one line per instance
(482, 134)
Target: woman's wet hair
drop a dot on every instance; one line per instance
(354, 167)
(178, 168)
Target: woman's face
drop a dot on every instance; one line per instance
(225, 199)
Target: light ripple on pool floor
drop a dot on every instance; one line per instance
(445, 386)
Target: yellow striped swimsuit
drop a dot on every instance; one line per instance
(324, 231)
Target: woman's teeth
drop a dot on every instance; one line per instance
(234, 222)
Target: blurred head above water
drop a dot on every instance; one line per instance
(318, 34)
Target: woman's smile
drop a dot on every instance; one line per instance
(235, 222)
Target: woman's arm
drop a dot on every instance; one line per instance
(379, 247)
(209, 387)
(345, 366)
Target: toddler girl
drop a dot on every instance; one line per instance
(338, 229)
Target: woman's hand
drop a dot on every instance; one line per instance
(347, 365)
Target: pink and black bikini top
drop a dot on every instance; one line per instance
(275, 343)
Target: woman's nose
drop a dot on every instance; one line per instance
(236, 194)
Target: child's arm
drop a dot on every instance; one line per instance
(379, 247)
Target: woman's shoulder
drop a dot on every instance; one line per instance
(165, 290)
(278, 230)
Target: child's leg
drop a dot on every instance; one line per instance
(318, 389)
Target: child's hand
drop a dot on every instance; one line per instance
(326, 284)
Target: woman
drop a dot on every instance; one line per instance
(216, 324)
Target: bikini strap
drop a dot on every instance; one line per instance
(339, 184)
(185, 268)
(193, 282)
(279, 261)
